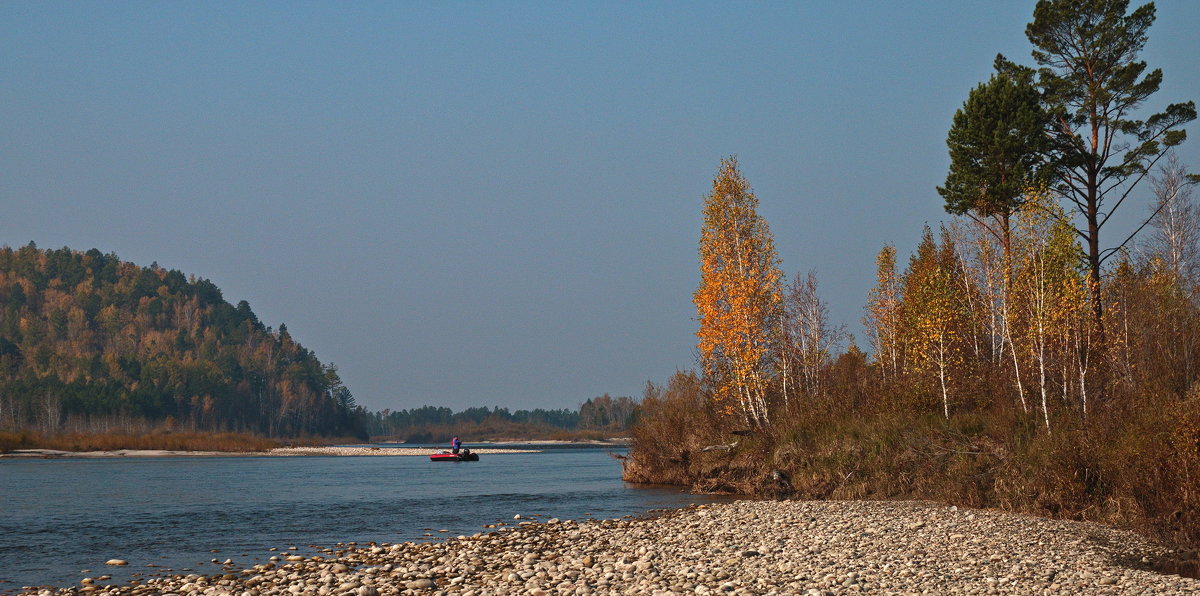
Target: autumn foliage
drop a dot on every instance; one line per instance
(739, 298)
(987, 384)
(95, 345)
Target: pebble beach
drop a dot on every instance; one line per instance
(744, 547)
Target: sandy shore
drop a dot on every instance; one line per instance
(281, 452)
(745, 547)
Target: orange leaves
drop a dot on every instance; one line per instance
(739, 295)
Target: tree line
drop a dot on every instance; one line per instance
(605, 415)
(90, 343)
(1017, 359)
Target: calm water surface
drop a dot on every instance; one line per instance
(59, 517)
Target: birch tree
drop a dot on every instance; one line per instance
(997, 143)
(934, 308)
(811, 338)
(882, 319)
(739, 297)
(1052, 292)
(1176, 222)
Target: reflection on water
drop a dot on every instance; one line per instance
(58, 517)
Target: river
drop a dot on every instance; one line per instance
(59, 517)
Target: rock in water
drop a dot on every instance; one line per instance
(116, 562)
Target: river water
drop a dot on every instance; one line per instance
(59, 517)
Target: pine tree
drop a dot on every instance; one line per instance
(1092, 84)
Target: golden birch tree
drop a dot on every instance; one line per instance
(934, 305)
(1049, 280)
(739, 298)
(882, 320)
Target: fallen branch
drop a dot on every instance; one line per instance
(721, 447)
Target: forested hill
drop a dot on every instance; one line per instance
(91, 343)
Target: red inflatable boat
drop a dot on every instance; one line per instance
(464, 455)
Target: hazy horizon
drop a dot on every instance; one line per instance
(497, 204)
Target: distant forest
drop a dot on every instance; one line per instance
(93, 344)
(599, 417)
(89, 343)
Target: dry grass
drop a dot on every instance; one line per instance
(1135, 465)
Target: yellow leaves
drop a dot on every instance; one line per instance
(739, 293)
(936, 317)
(1050, 289)
(883, 310)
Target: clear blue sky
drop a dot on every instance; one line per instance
(494, 203)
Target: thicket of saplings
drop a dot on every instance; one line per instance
(1133, 459)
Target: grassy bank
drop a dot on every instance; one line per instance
(170, 441)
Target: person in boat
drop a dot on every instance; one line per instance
(455, 444)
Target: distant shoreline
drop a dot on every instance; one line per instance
(58, 454)
(580, 442)
(369, 450)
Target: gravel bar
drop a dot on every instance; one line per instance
(745, 547)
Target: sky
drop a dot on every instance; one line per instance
(497, 204)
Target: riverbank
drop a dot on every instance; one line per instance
(277, 452)
(150, 440)
(59, 454)
(746, 547)
(488, 447)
